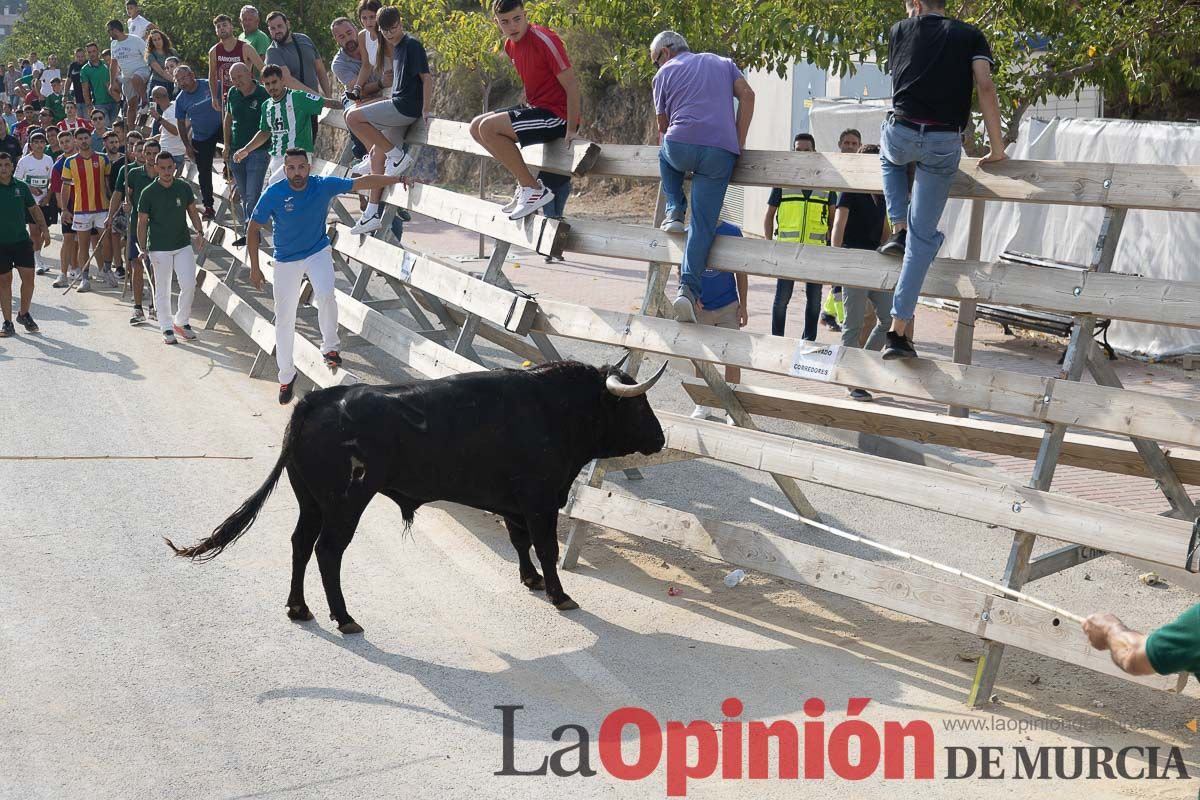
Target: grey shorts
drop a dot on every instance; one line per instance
(724, 317)
(390, 122)
(127, 82)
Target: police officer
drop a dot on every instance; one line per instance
(803, 217)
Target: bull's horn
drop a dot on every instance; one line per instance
(620, 364)
(614, 385)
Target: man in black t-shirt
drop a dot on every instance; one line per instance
(935, 63)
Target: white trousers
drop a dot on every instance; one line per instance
(289, 276)
(182, 263)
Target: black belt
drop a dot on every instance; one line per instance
(924, 128)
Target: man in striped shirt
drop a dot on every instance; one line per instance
(286, 122)
(86, 173)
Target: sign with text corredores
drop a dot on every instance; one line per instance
(814, 361)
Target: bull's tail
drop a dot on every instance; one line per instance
(240, 521)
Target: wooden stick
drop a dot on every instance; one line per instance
(909, 556)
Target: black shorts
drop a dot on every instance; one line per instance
(535, 125)
(17, 254)
(66, 228)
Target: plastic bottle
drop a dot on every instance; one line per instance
(735, 577)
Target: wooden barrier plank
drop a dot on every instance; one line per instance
(535, 232)
(992, 502)
(507, 309)
(1028, 396)
(1117, 456)
(1109, 296)
(956, 607)
(1164, 187)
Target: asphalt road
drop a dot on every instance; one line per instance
(129, 673)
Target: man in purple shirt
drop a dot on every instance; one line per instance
(694, 97)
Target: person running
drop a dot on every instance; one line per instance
(134, 178)
(16, 246)
(96, 81)
(136, 24)
(158, 50)
(87, 174)
(127, 59)
(200, 128)
(228, 51)
(412, 93)
(164, 208)
(552, 95)
(251, 34)
(243, 112)
(62, 191)
(34, 170)
(286, 122)
(935, 63)
(297, 209)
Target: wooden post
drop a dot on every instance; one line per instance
(1016, 572)
(964, 327)
(471, 324)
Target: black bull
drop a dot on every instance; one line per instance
(510, 442)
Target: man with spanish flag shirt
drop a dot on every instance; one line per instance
(87, 174)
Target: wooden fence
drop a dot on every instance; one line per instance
(439, 311)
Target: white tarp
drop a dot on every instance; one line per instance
(1156, 244)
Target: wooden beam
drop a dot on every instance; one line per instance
(507, 309)
(1108, 296)
(992, 502)
(1044, 399)
(535, 232)
(495, 335)
(956, 607)
(1118, 456)
(574, 159)
(1165, 187)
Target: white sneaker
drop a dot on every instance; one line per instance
(531, 200)
(393, 168)
(511, 205)
(61, 282)
(684, 307)
(84, 286)
(110, 278)
(367, 224)
(699, 412)
(42, 269)
(362, 166)
(672, 226)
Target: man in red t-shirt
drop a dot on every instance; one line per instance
(552, 94)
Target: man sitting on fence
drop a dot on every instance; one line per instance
(552, 95)
(1171, 649)
(298, 208)
(933, 61)
(694, 97)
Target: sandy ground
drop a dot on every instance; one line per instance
(132, 674)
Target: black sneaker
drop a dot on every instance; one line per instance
(894, 246)
(240, 241)
(7, 329)
(121, 273)
(209, 214)
(898, 347)
(332, 360)
(26, 320)
(285, 392)
(830, 322)
(862, 395)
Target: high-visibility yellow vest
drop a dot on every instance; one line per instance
(804, 217)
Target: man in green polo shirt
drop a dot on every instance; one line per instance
(1173, 648)
(95, 79)
(287, 122)
(16, 248)
(131, 180)
(54, 101)
(163, 210)
(251, 33)
(243, 115)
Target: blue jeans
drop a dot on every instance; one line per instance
(812, 308)
(710, 167)
(936, 156)
(249, 175)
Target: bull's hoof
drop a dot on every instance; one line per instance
(534, 583)
(566, 604)
(350, 628)
(299, 613)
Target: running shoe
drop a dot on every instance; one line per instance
(185, 331)
(898, 347)
(138, 317)
(332, 360)
(85, 285)
(42, 269)
(685, 305)
(285, 392)
(7, 329)
(168, 337)
(362, 166)
(895, 244)
(27, 320)
(531, 199)
(61, 282)
(368, 224)
(511, 205)
(240, 241)
(672, 226)
(110, 279)
(120, 272)
(392, 167)
(209, 214)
